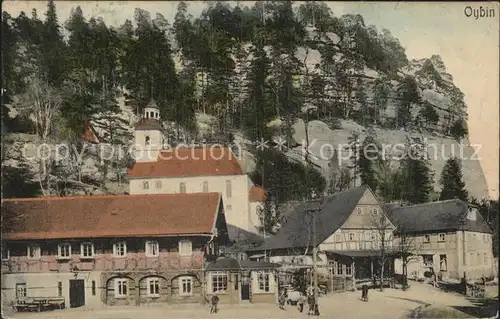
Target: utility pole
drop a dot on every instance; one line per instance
(315, 253)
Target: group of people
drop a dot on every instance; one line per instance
(313, 308)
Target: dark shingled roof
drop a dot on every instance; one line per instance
(297, 226)
(436, 216)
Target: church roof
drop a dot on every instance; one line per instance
(189, 161)
(152, 104)
(148, 124)
(112, 216)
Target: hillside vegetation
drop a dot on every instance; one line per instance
(268, 71)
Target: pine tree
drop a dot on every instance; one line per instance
(408, 94)
(418, 176)
(452, 182)
(53, 47)
(354, 147)
(369, 159)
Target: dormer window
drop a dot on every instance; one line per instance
(182, 188)
(471, 214)
(147, 140)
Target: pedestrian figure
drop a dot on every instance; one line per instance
(311, 303)
(282, 299)
(214, 302)
(300, 303)
(364, 292)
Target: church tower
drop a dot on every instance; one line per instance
(149, 134)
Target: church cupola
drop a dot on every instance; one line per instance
(149, 136)
(151, 111)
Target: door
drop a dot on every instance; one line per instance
(245, 285)
(76, 293)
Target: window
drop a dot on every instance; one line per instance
(442, 263)
(5, 253)
(145, 185)
(484, 238)
(471, 214)
(229, 207)
(348, 270)
(21, 290)
(87, 250)
(147, 140)
(263, 281)
(351, 237)
(158, 184)
(182, 188)
(64, 251)
(59, 289)
(205, 187)
(153, 287)
(485, 258)
(121, 288)
(120, 249)
(185, 286)
(340, 268)
(478, 259)
(375, 211)
(338, 238)
(427, 238)
(442, 237)
(152, 248)
(471, 256)
(229, 191)
(219, 282)
(185, 247)
(93, 288)
(360, 211)
(34, 251)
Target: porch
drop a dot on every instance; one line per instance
(349, 270)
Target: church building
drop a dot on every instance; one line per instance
(160, 169)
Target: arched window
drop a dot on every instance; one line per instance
(158, 184)
(151, 114)
(147, 140)
(145, 185)
(205, 187)
(182, 188)
(229, 191)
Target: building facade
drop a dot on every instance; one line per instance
(350, 229)
(449, 238)
(110, 250)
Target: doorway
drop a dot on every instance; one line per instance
(76, 293)
(245, 285)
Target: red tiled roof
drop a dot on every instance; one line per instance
(187, 161)
(257, 194)
(147, 124)
(89, 134)
(112, 216)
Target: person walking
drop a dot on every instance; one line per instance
(214, 303)
(282, 299)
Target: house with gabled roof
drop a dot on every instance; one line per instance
(349, 229)
(451, 238)
(111, 249)
(164, 169)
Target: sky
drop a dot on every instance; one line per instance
(469, 48)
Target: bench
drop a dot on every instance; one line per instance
(39, 303)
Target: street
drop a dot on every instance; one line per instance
(391, 303)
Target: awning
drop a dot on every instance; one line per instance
(359, 253)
